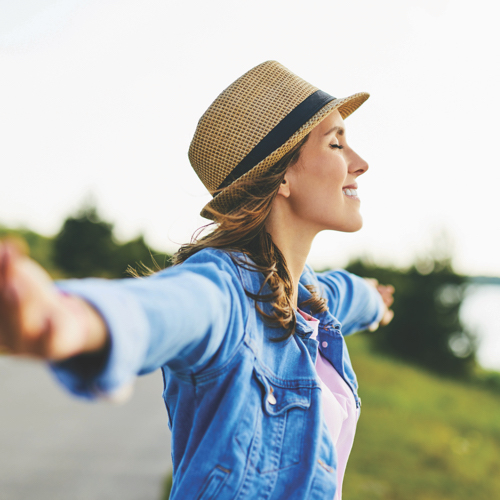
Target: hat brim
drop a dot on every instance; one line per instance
(227, 200)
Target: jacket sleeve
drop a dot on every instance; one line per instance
(178, 317)
(353, 301)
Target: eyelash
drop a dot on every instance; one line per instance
(338, 146)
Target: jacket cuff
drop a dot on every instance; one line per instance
(106, 374)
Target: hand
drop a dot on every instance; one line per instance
(386, 292)
(36, 319)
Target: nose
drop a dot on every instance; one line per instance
(357, 165)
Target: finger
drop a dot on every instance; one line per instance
(388, 300)
(39, 346)
(15, 325)
(4, 262)
(10, 317)
(9, 254)
(389, 289)
(7, 298)
(386, 294)
(387, 318)
(35, 344)
(30, 322)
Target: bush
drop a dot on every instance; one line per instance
(426, 328)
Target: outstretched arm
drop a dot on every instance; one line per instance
(178, 318)
(357, 303)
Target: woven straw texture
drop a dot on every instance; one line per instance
(242, 115)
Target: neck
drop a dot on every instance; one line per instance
(294, 242)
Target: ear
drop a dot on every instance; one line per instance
(284, 189)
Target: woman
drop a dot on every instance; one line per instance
(260, 392)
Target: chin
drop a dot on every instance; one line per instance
(351, 227)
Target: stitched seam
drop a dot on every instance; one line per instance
(201, 378)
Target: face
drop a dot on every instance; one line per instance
(321, 187)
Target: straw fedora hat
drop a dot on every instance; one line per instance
(253, 124)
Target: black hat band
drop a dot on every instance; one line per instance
(279, 134)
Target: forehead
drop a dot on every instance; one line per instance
(332, 124)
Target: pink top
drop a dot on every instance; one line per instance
(339, 407)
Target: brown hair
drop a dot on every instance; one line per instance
(242, 229)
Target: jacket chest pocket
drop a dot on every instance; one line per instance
(271, 432)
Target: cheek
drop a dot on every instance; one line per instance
(316, 183)
(304, 186)
(328, 179)
(314, 171)
(314, 195)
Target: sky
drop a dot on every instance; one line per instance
(99, 100)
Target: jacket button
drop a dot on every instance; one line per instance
(324, 344)
(271, 399)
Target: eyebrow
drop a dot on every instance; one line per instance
(337, 129)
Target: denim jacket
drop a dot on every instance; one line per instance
(244, 410)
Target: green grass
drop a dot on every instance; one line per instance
(421, 437)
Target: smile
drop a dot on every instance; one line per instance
(350, 192)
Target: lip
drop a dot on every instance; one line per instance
(351, 186)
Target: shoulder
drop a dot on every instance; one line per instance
(222, 259)
(239, 265)
(225, 264)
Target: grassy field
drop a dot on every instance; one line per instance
(421, 437)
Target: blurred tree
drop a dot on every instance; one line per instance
(85, 246)
(137, 253)
(426, 328)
